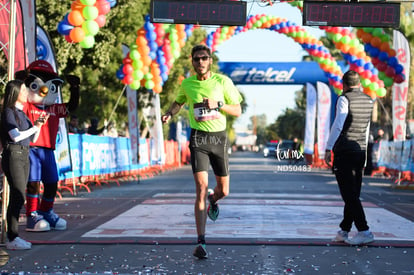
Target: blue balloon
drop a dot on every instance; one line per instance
(374, 71)
(383, 56)
(393, 61)
(399, 69)
(374, 52)
(64, 28)
(368, 66)
(360, 62)
(120, 74)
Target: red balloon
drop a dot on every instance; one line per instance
(103, 6)
(128, 69)
(382, 66)
(399, 78)
(375, 61)
(390, 71)
(128, 79)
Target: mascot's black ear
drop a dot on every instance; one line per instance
(73, 80)
(21, 75)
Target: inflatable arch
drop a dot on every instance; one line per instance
(158, 45)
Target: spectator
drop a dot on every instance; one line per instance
(16, 133)
(93, 129)
(74, 125)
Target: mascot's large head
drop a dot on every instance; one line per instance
(42, 83)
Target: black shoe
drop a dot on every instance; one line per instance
(200, 251)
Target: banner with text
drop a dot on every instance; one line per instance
(309, 140)
(400, 91)
(324, 116)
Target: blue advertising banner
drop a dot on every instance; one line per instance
(97, 155)
(286, 73)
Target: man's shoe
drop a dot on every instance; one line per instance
(56, 222)
(213, 209)
(200, 251)
(341, 236)
(362, 237)
(36, 223)
(18, 244)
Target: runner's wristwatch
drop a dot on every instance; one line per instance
(220, 104)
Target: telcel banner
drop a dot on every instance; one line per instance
(291, 73)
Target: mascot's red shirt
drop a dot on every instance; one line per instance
(49, 130)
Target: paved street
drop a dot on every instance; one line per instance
(278, 219)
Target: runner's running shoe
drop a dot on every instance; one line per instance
(200, 251)
(213, 209)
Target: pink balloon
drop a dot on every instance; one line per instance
(101, 20)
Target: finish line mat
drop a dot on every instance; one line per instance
(250, 216)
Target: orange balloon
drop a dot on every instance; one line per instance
(353, 51)
(141, 31)
(77, 34)
(146, 60)
(157, 88)
(77, 5)
(366, 37)
(141, 41)
(384, 47)
(391, 52)
(376, 42)
(76, 18)
(345, 48)
(360, 33)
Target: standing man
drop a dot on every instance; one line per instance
(210, 97)
(348, 140)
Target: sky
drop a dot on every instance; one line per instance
(266, 46)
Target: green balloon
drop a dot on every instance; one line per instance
(381, 92)
(90, 27)
(345, 39)
(137, 75)
(149, 84)
(365, 82)
(135, 85)
(388, 81)
(134, 54)
(88, 2)
(90, 12)
(374, 86)
(137, 64)
(377, 32)
(148, 76)
(87, 42)
(337, 37)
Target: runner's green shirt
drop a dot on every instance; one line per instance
(218, 87)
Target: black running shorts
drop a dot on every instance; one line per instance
(209, 148)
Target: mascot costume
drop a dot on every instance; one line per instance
(43, 85)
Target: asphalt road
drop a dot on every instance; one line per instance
(278, 219)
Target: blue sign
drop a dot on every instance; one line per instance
(286, 73)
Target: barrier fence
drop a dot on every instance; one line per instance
(395, 159)
(101, 159)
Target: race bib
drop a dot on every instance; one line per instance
(202, 113)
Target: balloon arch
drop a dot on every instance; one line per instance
(157, 46)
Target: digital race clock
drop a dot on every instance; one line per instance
(356, 14)
(229, 13)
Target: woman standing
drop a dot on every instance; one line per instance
(16, 133)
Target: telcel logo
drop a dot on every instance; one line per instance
(254, 75)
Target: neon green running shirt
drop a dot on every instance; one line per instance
(218, 87)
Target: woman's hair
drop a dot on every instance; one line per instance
(12, 93)
(9, 101)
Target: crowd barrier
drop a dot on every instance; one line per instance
(395, 159)
(101, 160)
